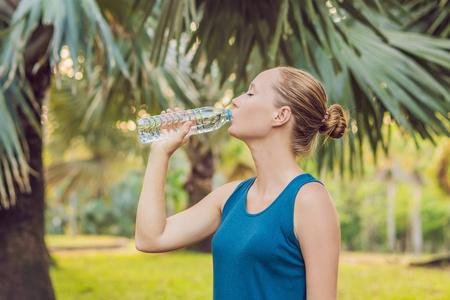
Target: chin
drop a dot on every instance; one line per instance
(230, 131)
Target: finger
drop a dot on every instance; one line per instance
(174, 123)
(181, 132)
(186, 139)
(186, 127)
(164, 125)
(190, 119)
(169, 123)
(186, 135)
(177, 122)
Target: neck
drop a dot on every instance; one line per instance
(275, 163)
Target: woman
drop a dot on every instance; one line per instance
(270, 241)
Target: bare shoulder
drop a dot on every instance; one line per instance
(226, 190)
(318, 234)
(313, 204)
(313, 193)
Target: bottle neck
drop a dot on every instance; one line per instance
(228, 114)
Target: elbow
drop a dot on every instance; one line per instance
(140, 247)
(146, 247)
(139, 244)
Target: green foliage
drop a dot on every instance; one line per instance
(435, 220)
(350, 219)
(379, 61)
(97, 217)
(55, 219)
(115, 213)
(402, 206)
(117, 216)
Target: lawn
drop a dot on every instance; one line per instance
(128, 274)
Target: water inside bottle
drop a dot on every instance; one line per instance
(206, 119)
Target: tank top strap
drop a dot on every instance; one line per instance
(299, 182)
(235, 196)
(294, 188)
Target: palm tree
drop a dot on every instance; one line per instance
(36, 32)
(374, 59)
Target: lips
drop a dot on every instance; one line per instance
(232, 116)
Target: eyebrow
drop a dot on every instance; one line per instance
(252, 85)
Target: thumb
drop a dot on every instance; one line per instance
(186, 127)
(185, 130)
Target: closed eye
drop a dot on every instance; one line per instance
(249, 94)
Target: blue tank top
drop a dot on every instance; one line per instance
(256, 256)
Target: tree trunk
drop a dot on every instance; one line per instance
(391, 234)
(199, 183)
(24, 258)
(367, 227)
(73, 223)
(415, 215)
(23, 255)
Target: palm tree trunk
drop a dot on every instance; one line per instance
(199, 183)
(24, 258)
(23, 255)
(391, 234)
(73, 224)
(415, 214)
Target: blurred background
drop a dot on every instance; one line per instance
(75, 76)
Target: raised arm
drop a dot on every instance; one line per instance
(156, 233)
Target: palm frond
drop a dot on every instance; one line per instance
(24, 51)
(374, 57)
(386, 72)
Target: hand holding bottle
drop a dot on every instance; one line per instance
(206, 119)
(177, 138)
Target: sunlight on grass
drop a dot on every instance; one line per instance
(187, 275)
(54, 240)
(392, 282)
(136, 275)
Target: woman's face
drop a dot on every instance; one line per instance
(253, 112)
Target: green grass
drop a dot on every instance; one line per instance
(392, 282)
(128, 274)
(133, 276)
(80, 241)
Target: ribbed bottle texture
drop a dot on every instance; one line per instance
(206, 119)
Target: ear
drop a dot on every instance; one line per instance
(282, 115)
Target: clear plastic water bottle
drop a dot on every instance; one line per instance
(206, 119)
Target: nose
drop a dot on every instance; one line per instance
(234, 102)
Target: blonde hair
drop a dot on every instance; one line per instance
(307, 99)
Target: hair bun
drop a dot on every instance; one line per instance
(334, 122)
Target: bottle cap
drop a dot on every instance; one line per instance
(228, 114)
